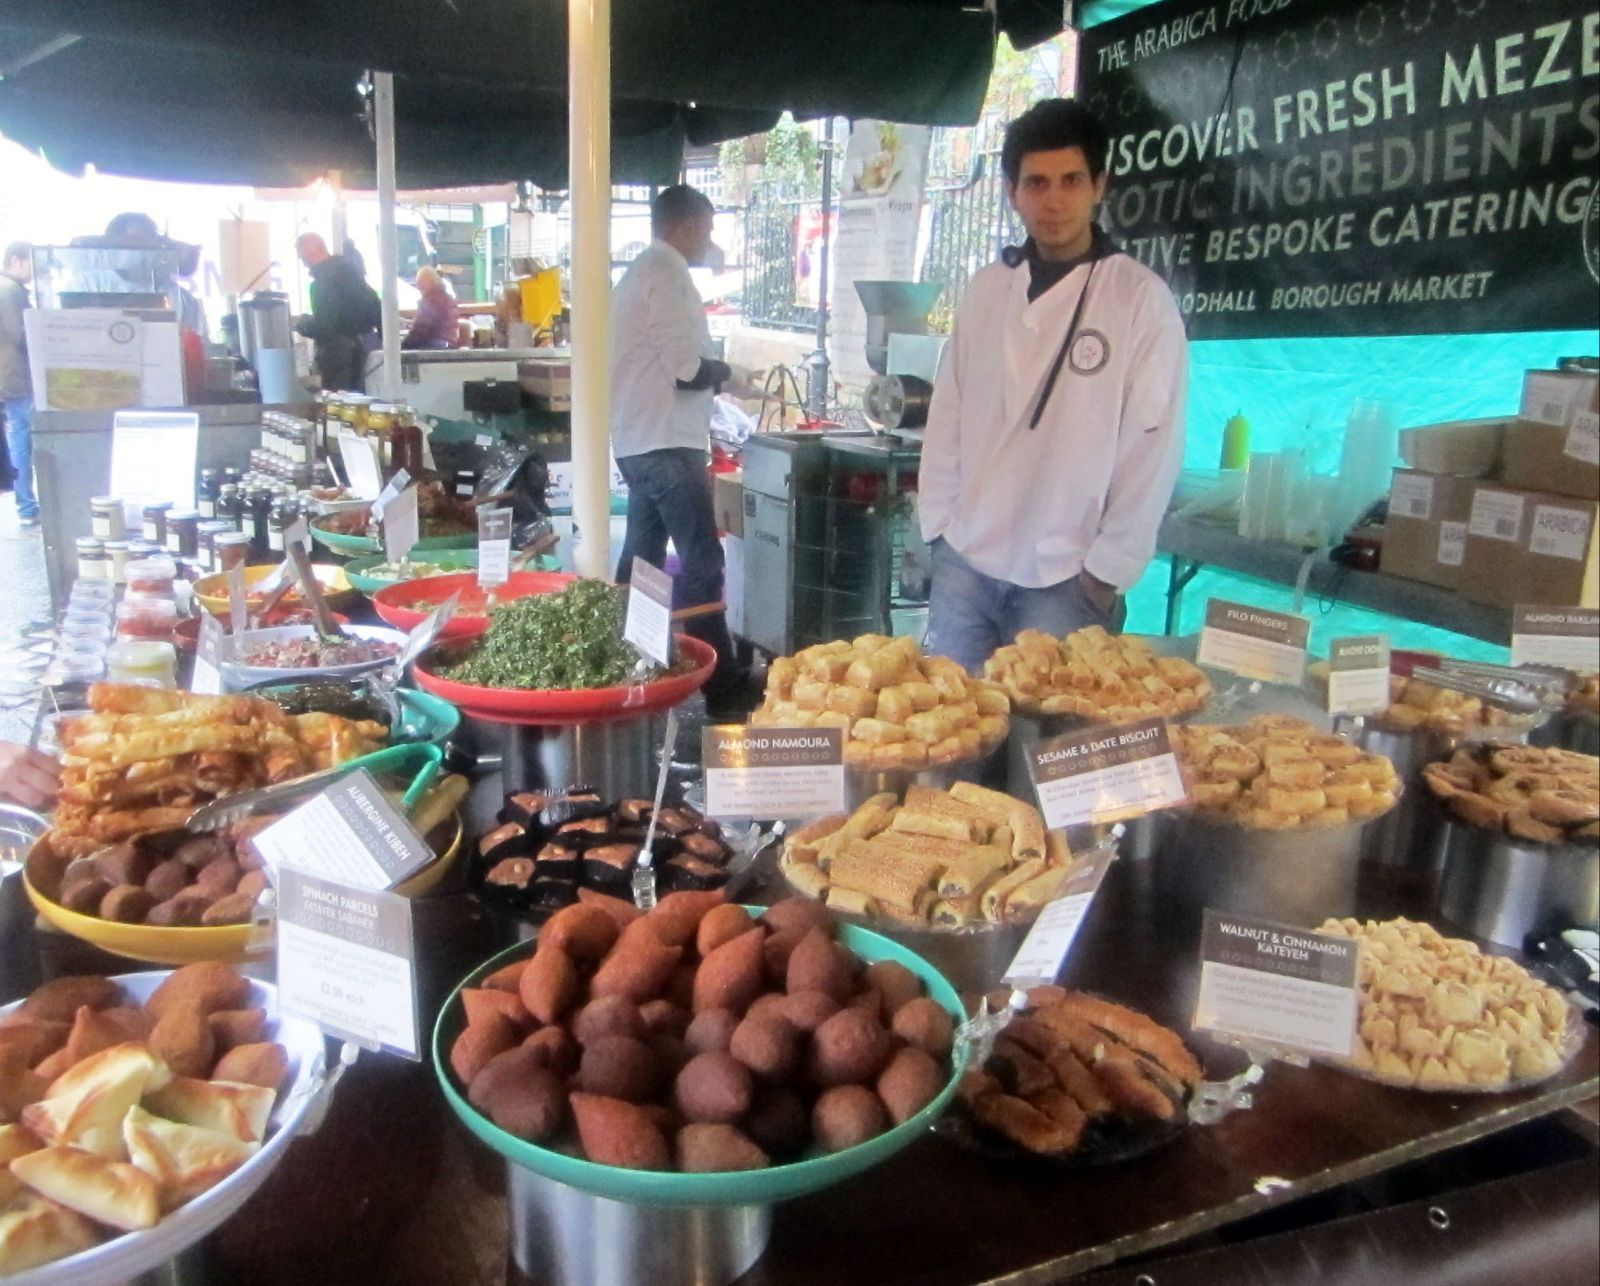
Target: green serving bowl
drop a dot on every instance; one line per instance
(356, 569)
(424, 718)
(343, 544)
(730, 1188)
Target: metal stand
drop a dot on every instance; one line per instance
(616, 757)
(563, 1237)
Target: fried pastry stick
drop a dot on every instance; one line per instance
(1132, 1028)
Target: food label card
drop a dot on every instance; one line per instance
(648, 625)
(773, 772)
(401, 526)
(1045, 949)
(1568, 637)
(1277, 985)
(494, 547)
(153, 455)
(1106, 774)
(1254, 642)
(1358, 674)
(391, 489)
(360, 458)
(345, 961)
(207, 677)
(349, 833)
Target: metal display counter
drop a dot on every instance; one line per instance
(1195, 544)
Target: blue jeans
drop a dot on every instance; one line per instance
(669, 494)
(971, 615)
(19, 442)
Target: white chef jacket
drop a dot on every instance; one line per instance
(658, 336)
(1088, 486)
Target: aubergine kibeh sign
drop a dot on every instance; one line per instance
(1328, 167)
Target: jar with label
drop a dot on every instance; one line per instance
(117, 556)
(466, 483)
(259, 516)
(93, 561)
(208, 533)
(282, 518)
(230, 506)
(107, 521)
(231, 549)
(183, 533)
(407, 437)
(154, 523)
(147, 663)
(206, 492)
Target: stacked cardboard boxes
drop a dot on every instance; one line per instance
(1526, 535)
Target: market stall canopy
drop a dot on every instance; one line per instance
(206, 90)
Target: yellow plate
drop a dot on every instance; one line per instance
(228, 943)
(212, 591)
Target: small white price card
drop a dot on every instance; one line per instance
(207, 677)
(1358, 674)
(1045, 949)
(1254, 642)
(494, 547)
(402, 526)
(773, 772)
(1106, 774)
(1568, 637)
(350, 833)
(345, 961)
(1277, 985)
(648, 625)
(360, 457)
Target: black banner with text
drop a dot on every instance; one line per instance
(1357, 167)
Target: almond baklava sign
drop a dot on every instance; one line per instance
(1315, 167)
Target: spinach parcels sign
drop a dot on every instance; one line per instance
(1314, 167)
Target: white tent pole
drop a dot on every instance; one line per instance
(589, 186)
(388, 237)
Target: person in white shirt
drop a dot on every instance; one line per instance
(664, 375)
(1055, 433)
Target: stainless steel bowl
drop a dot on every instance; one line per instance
(1299, 876)
(20, 828)
(1507, 889)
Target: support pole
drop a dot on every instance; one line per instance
(589, 187)
(388, 237)
(817, 380)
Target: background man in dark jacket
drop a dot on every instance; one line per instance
(344, 316)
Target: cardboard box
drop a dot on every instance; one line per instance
(727, 502)
(1554, 444)
(1424, 537)
(1530, 547)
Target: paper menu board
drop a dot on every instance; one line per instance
(153, 456)
(99, 359)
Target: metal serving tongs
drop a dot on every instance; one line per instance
(326, 625)
(424, 757)
(1502, 687)
(1551, 684)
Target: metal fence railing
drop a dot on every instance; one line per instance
(969, 222)
(779, 258)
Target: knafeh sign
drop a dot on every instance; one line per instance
(1314, 167)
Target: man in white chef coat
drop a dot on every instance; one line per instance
(664, 375)
(1056, 428)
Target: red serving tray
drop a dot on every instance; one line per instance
(433, 590)
(562, 706)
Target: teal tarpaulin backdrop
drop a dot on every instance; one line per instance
(1297, 392)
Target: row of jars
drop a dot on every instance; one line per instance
(393, 424)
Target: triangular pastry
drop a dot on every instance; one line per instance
(15, 1141)
(109, 1192)
(225, 1106)
(84, 1107)
(41, 1234)
(184, 1159)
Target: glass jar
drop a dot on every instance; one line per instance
(231, 549)
(256, 524)
(117, 556)
(208, 533)
(154, 525)
(408, 443)
(183, 533)
(107, 520)
(284, 512)
(230, 506)
(358, 405)
(206, 492)
(93, 561)
(147, 663)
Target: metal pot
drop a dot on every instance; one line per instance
(20, 828)
(1297, 876)
(1509, 890)
(860, 786)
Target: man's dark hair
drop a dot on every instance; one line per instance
(1049, 126)
(17, 250)
(675, 205)
(131, 224)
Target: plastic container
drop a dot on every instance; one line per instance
(147, 663)
(150, 575)
(143, 616)
(87, 632)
